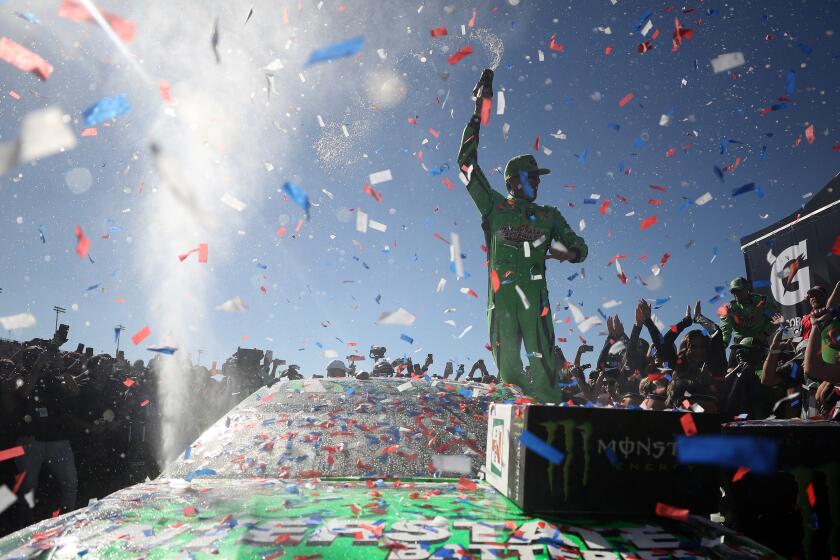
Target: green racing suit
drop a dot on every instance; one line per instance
(518, 234)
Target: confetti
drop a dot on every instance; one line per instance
(537, 445)
(74, 10)
(757, 454)
(42, 133)
(671, 512)
(459, 55)
(380, 177)
(626, 99)
(141, 335)
(24, 59)
(11, 452)
(106, 109)
(19, 321)
(648, 222)
(336, 50)
(298, 196)
(399, 317)
(439, 32)
(82, 243)
(728, 61)
(233, 202)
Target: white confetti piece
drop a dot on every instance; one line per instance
(233, 202)
(616, 348)
(577, 314)
(382, 54)
(404, 387)
(703, 199)
(320, 121)
(546, 151)
(655, 270)
(344, 131)
(378, 226)
(274, 66)
(42, 133)
(450, 322)
(664, 120)
(459, 464)
(380, 177)
(7, 498)
(399, 317)
(465, 331)
(525, 303)
(727, 61)
(500, 104)
(588, 323)
(268, 166)
(328, 193)
(441, 285)
(646, 29)
(455, 255)
(19, 321)
(582, 225)
(361, 221)
(610, 304)
(233, 305)
(526, 247)
(540, 55)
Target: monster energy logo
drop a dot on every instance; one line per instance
(570, 430)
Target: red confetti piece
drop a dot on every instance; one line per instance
(466, 484)
(655, 202)
(82, 243)
(688, 425)
(165, 91)
(670, 152)
(141, 335)
(202, 251)
(11, 453)
(128, 382)
(554, 45)
(647, 222)
(439, 32)
(626, 99)
(835, 250)
(14, 94)
(372, 192)
(460, 55)
(412, 120)
(471, 292)
(671, 512)
(439, 236)
(486, 108)
(281, 231)
(75, 11)
(679, 34)
(608, 51)
(448, 183)
(144, 403)
(544, 312)
(740, 473)
(537, 143)
(18, 481)
(56, 513)
(434, 133)
(604, 207)
(809, 134)
(835, 148)
(659, 188)
(90, 132)
(645, 47)
(471, 23)
(494, 281)
(189, 511)
(812, 498)
(23, 59)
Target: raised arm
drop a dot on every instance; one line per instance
(478, 186)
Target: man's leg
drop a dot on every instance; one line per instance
(62, 463)
(538, 334)
(505, 336)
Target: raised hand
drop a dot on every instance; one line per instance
(697, 311)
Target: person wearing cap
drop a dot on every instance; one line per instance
(817, 298)
(520, 235)
(336, 368)
(747, 315)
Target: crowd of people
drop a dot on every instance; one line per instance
(91, 424)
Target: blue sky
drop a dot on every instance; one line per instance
(328, 284)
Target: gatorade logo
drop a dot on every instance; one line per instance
(790, 279)
(497, 439)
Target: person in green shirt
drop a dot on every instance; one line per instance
(520, 235)
(748, 315)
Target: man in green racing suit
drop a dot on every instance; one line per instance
(520, 236)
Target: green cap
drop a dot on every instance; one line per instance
(746, 342)
(739, 284)
(525, 163)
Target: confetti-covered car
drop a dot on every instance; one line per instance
(350, 469)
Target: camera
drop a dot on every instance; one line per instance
(377, 352)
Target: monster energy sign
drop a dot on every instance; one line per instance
(614, 460)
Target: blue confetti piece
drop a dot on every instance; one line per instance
(759, 192)
(790, 86)
(763, 153)
(614, 126)
(602, 314)
(743, 189)
(407, 338)
(541, 448)
(582, 156)
(463, 391)
(187, 452)
(41, 231)
(261, 265)
(804, 48)
(168, 350)
(28, 16)
(757, 454)
(105, 109)
(642, 20)
(298, 195)
(572, 277)
(204, 472)
(89, 288)
(724, 146)
(378, 298)
(589, 201)
(439, 170)
(718, 172)
(761, 283)
(336, 50)
(662, 301)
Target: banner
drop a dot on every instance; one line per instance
(788, 258)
